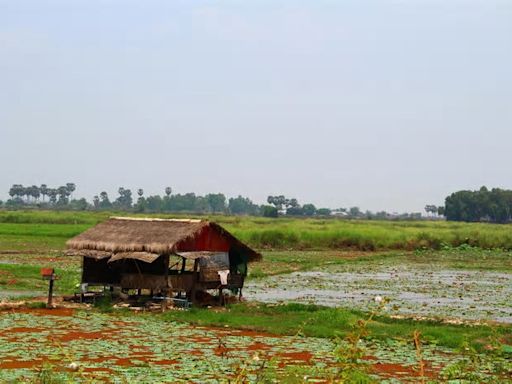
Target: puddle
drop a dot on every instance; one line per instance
(418, 290)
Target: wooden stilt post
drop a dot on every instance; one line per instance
(194, 282)
(50, 294)
(166, 288)
(221, 298)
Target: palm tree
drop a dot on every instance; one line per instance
(140, 192)
(71, 188)
(44, 190)
(168, 191)
(26, 192)
(16, 190)
(52, 193)
(63, 193)
(35, 192)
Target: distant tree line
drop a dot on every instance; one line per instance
(45, 197)
(484, 205)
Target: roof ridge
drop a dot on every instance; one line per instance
(157, 219)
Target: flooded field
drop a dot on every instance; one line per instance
(121, 348)
(418, 290)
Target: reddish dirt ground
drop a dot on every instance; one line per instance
(61, 312)
(399, 371)
(20, 364)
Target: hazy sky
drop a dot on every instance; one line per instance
(380, 104)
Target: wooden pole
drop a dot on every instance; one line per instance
(166, 277)
(221, 297)
(50, 294)
(195, 279)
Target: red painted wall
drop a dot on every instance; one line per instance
(208, 240)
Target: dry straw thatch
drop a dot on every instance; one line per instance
(142, 256)
(157, 236)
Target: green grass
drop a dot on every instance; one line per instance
(27, 277)
(317, 321)
(289, 233)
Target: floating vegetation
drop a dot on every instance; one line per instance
(123, 348)
(414, 290)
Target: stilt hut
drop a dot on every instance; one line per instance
(170, 256)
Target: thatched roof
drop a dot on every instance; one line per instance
(157, 236)
(196, 255)
(93, 254)
(142, 256)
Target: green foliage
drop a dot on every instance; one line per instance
(28, 277)
(482, 205)
(242, 206)
(216, 202)
(323, 212)
(104, 303)
(124, 201)
(269, 211)
(46, 374)
(309, 210)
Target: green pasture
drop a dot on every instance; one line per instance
(286, 233)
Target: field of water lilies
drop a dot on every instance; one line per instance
(91, 346)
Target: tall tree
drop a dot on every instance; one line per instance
(63, 193)
(35, 192)
(17, 191)
(154, 203)
(278, 201)
(354, 212)
(44, 190)
(124, 201)
(431, 209)
(104, 201)
(52, 194)
(309, 209)
(140, 206)
(71, 188)
(242, 206)
(217, 202)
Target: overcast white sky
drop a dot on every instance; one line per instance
(380, 104)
